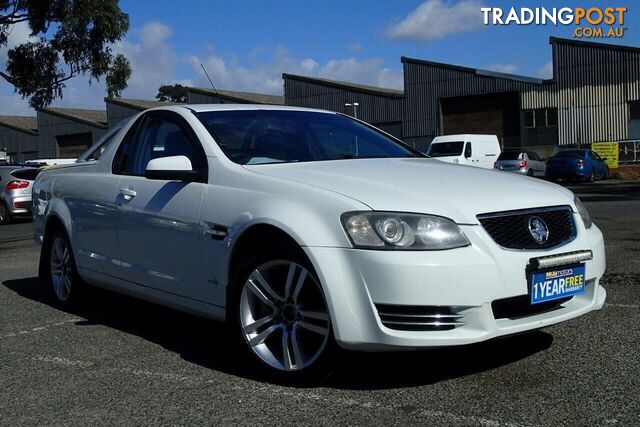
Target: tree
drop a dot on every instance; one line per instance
(173, 93)
(69, 38)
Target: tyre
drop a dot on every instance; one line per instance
(62, 273)
(530, 172)
(281, 317)
(592, 176)
(5, 216)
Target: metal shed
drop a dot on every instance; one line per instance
(19, 137)
(591, 97)
(196, 95)
(68, 132)
(119, 109)
(382, 107)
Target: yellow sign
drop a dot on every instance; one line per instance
(608, 151)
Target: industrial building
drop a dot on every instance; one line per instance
(382, 107)
(197, 95)
(119, 109)
(593, 96)
(19, 137)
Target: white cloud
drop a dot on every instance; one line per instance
(266, 76)
(435, 19)
(11, 103)
(503, 68)
(546, 71)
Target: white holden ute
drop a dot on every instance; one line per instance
(309, 232)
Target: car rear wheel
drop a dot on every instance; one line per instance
(592, 176)
(5, 216)
(283, 317)
(63, 276)
(530, 172)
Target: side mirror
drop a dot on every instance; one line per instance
(173, 168)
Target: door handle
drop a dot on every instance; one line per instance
(128, 193)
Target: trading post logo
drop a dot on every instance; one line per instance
(594, 22)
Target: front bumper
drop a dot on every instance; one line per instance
(467, 279)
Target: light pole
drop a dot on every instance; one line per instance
(355, 106)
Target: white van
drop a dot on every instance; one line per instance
(472, 150)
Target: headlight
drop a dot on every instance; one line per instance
(584, 214)
(389, 230)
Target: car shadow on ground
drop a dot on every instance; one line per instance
(615, 191)
(209, 344)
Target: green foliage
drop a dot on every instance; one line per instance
(173, 93)
(74, 37)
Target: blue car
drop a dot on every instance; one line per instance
(577, 164)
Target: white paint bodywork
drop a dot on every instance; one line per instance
(484, 153)
(156, 245)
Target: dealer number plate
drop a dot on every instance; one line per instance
(558, 283)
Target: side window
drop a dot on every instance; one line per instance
(467, 150)
(158, 138)
(155, 137)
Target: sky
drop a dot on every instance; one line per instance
(247, 44)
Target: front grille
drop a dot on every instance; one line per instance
(520, 306)
(511, 229)
(419, 317)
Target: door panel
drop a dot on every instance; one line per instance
(160, 233)
(95, 219)
(159, 229)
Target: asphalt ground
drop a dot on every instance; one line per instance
(116, 360)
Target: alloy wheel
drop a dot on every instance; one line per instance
(61, 269)
(284, 315)
(4, 216)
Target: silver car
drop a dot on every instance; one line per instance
(522, 162)
(15, 191)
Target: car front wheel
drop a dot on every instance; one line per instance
(284, 318)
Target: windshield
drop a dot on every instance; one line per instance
(444, 149)
(510, 155)
(250, 137)
(570, 153)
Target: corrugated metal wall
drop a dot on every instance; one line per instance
(373, 108)
(596, 85)
(426, 84)
(117, 113)
(50, 126)
(18, 143)
(592, 89)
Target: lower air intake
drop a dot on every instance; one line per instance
(419, 317)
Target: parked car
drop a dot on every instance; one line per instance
(309, 231)
(578, 164)
(472, 150)
(15, 191)
(522, 162)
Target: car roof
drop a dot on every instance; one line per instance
(202, 108)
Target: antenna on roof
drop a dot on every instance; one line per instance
(212, 85)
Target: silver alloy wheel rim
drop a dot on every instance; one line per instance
(284, 317)
(2, 213)
(61, 270)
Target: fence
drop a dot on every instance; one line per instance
(629, 152)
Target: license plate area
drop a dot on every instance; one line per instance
(557, 283)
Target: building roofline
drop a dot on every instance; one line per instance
(69, 116)
(380, 91)
(132, 103)
(32, 132)
(559, 40)
(251, 97)
(477, 71)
